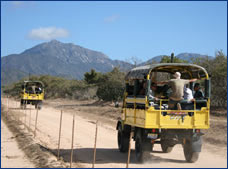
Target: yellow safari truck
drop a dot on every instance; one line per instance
(32, 93)
(153, 122)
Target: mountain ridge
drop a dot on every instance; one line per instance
(59, 59)
(183, 56)
(64, 59)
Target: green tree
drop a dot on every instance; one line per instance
(111, 86)
(167, 59)
(92, 76)
(219, 79)
(217, 69)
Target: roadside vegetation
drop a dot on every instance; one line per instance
(110, 86)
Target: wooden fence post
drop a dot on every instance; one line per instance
(7, 104)
(95, 143)
(30, 114)
(36, 122)
(25, 112)
(60, 126)
(72, 143)
(129, 150)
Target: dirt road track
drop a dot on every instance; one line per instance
(107, 150)
(11, 155)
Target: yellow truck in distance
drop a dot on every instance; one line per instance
(153, 122)
(32, 93)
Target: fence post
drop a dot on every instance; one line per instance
(129, 150)
(36, 122)
(7, 104)
(18, 109)
(30, 114)
(72, 143)
(60, 126)
(95, 144)
(25, 112)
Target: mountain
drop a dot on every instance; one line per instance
(66, 60)
(184, 56)
(57, 59)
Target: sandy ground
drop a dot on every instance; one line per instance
(11, 155)
(108, 155)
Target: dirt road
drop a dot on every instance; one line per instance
(108, 154)
(11, 155)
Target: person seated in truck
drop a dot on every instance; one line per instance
(198, 95)
(143, 89)
(38, 90)
(177, 86)
(188, 94)
(28, 89)
(189, 97)
(153, 92)
(33, 89)
(163, 91)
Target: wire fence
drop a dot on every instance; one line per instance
(15, 105)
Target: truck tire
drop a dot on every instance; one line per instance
(23, 104)
(123, 139)
(139, 147)
(143, 147)
(192, 149)
(39, 105)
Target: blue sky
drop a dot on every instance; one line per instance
(120, 30)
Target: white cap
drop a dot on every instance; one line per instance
(177, 75)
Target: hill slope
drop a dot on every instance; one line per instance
(66, 60)
(57, 59)
(183, 56)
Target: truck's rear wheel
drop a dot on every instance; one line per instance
(138, 147)
(190, 150)
(190, 156)
(23, 104)
(143, 147)
(123, 139)
(39, 105)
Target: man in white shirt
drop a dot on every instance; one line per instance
(188, 94)
(189, 97)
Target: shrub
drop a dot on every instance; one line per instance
(111, 86)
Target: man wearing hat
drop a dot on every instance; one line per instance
(177, 85)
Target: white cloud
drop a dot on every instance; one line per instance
(17, 3)
(22, 4)
(48, 33)
(110, 19)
